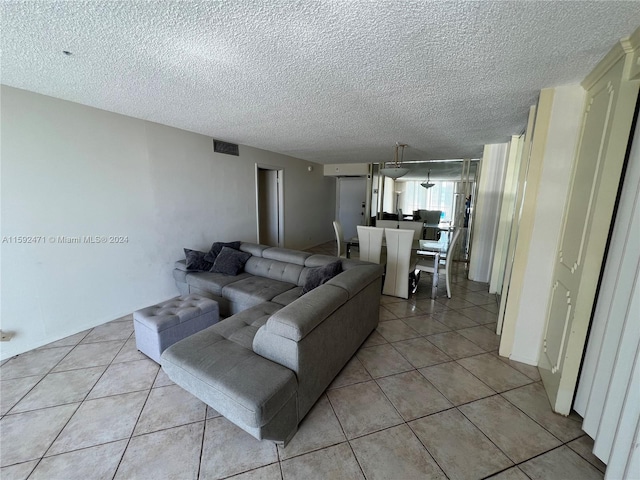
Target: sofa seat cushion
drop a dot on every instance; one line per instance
(229, 377)
(254, 290)
(287, 297)
(242, 327)
(213, 282)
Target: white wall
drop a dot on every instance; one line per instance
(562, 138)
(71, 170)
(487, 210)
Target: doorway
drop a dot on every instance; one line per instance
(269, 205)
(351, 204)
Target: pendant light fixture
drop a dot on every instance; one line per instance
(428, 184)
(396, 171)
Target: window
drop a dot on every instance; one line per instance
(438, 197)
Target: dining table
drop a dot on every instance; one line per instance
(422, 248)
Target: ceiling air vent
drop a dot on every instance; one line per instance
(225, 147)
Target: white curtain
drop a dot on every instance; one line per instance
(487, 208)
(439, 197)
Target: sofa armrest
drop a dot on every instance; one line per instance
(181, 265)
(299, 318)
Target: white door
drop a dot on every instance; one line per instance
(269, 218)
(352, 195)
(518, 201)
(594, 184)
(608, 395)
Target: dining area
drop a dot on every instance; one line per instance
(405, 254)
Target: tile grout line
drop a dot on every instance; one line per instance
(279, 461)
(456, 407)
(535, 456)
(405, 421)
(82, 401)
(488, 477)
(74, 412)
(487, 437)
(44, 375)
(39, 460)
(427, 449)
(557, 447)
(356, 457)
(533, 419)
(508, 389)
(115, 472)
(79, 403)
(204, 432)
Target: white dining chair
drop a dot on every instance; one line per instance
(417, 228)
(337, 227)
(396, 280)
(387, 223)
(370, 243)
(428, 264)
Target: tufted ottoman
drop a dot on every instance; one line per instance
(160, 326)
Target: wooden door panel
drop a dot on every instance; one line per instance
(555, 336)
(587, 218)
(586, 178)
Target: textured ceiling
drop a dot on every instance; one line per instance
(327, 81)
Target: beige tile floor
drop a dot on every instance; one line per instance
(426, 396)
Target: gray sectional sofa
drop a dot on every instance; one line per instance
(266, 365)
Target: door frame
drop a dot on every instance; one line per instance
(280, 180)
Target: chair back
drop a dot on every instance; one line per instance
(417, 228)
(421, 214)
(396, 281)
(432, 216)
(450, 251)
(387, 223)
(370, 243)
(337, 227)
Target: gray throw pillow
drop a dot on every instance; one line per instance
(216, 248)
(230, 261)
(195, 261)
(319, 275)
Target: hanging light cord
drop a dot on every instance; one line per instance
(397, 164)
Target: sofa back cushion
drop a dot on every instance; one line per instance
(217, 247)
(253, 248)
(195, 261)
(230, 261)
(318, 275)
(286, 255)
(315, 261)
(297, 319)
(274, 269)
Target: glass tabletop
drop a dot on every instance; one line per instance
(431, 246)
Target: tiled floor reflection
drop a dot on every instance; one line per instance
(425, 397)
